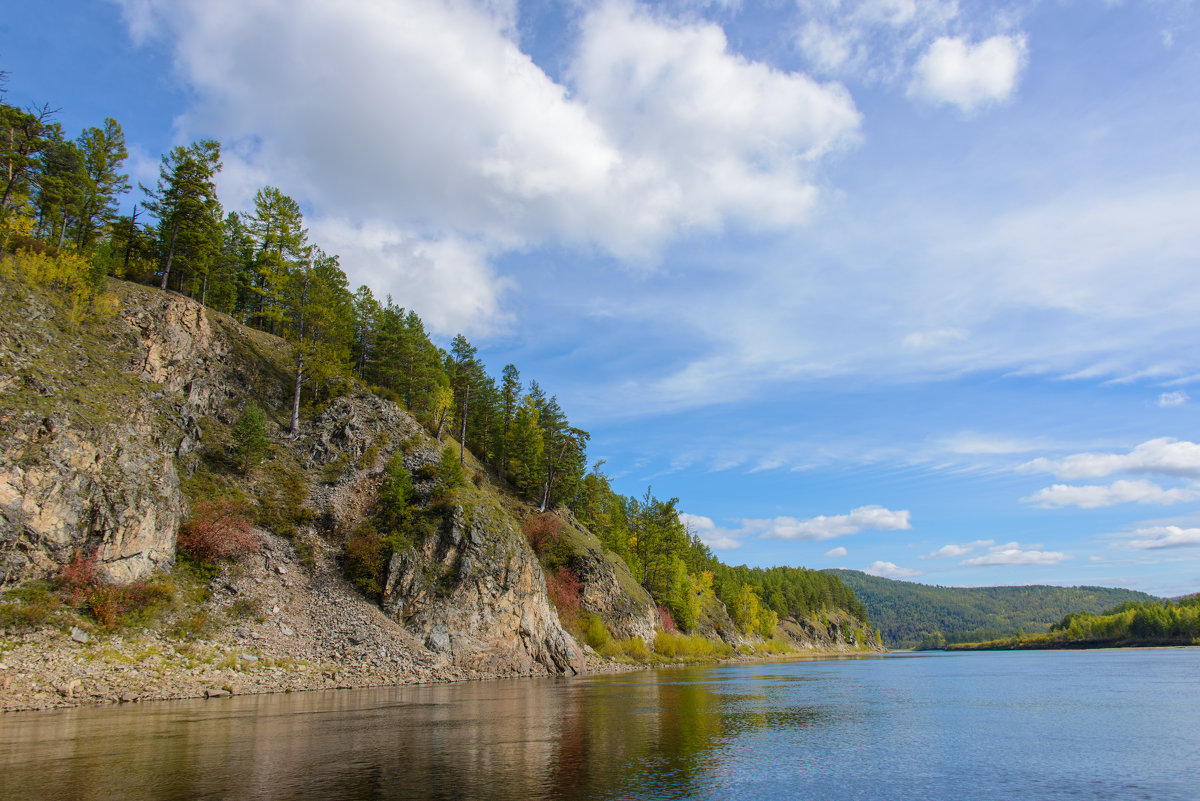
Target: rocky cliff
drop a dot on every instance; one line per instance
(101, 417)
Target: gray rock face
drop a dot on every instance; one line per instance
(475, 593)
(105, 481)
(611, 591)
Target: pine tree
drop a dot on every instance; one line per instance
(367, 313)
(525, 449)
(23, 137)
(318, 318)
(510, 395)
(103, 152)
(277, 227)
(61, 187)
(185, 203)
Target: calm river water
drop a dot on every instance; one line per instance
(1031, 725)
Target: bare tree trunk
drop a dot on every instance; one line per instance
(296, 395)
(129, 241)
(170, 255)
(462, 442)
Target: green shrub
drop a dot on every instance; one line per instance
(250, 437)
(367, 460)
(127, 605)
(595, 633)
(29, 605)
(362, 560)
(281, 494)
(449, 470)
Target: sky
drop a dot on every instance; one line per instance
(903, 286)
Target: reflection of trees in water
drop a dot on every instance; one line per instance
(641, 735)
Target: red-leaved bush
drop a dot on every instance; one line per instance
(217, 530)
(109, 603)
(79, 576)
(668, 622)
(542, 531)
(565, 590)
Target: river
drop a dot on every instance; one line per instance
(1119, 724)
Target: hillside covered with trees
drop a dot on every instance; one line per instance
(1134, 623)
(910, 615)
(61, 227)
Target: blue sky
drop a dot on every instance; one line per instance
(898, 285)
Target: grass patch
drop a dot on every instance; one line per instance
(690, 647)
(30, 606)
(633, 649)
(776, 646)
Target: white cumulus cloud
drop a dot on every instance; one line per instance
(890, 570)
(1168, 399)
(1164, 455)
(1095, 497)
(712, 535)
(825, 527)
(1156, 537)
(953, 551)
(968, 76)
(425, 120)
(1013, 554)
(836, 553)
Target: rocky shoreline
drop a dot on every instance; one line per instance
(275, 626)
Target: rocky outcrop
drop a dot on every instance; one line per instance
(116, 495)
(97, 420)
(88, 445)
(179, 350)
(830, 632)
(475, 593)
(472, 591)
(609, 590)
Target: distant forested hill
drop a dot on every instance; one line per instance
(906, 613)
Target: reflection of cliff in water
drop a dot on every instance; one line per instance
(505, 739)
